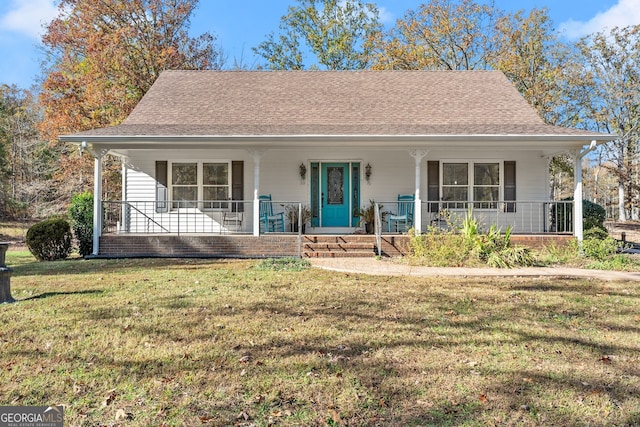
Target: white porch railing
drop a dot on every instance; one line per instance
(524, 217)
(236, 217)
(176, 217)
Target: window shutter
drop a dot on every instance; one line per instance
(162, 193)
(433, 184)
(237, 185)
(510, 185)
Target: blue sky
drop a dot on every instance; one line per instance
(242, 24)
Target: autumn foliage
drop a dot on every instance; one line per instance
(103, 55)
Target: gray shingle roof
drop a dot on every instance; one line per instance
(252, 103)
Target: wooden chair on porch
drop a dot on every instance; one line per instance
(270, 222)
(403, 219)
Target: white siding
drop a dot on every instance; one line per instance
(393, 173)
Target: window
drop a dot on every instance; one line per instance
(184, 180)
(476, 182)
(198, 181)
(455, 184)
(486, 185)
(215, 184)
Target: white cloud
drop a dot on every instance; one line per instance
(625, 13)
(385, 16)
(29, 16)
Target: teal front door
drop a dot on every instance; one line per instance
(335, 195)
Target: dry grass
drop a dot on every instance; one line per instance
(15, 232)
(166, 342)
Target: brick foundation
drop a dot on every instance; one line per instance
(274, 245)
(196, 246)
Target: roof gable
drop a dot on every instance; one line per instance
(436, 105)
(246, 101)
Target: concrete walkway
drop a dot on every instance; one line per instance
(386, 267)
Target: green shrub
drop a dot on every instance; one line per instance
(593, 215)
(595, 233)
(469, 247)
(81, 218)
(560, 254)
(599, 249)
(50, 240)
(439, 249)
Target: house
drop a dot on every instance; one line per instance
(201, 147)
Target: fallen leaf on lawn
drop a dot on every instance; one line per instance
(606, 359)
(335, 417)
(78, 388)
(483, 398)
(121, 414)
(277, 414)
(111, 396)
(205, 419)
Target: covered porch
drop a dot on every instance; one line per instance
(300, 201)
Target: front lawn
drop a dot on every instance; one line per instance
(217, 343)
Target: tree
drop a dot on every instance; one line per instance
(103, 55)
(440, 35)
(25, 161)
(531, 56)
(607, 68)
(336, 32)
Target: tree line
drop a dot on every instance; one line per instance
(103, 55)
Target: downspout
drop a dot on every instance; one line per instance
(578, 228)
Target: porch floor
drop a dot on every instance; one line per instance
(273, 245)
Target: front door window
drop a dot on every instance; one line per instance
(336, 185)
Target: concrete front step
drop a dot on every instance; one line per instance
(337, 250)
(329, 254)
(338, 246)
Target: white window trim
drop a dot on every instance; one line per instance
(200, 182)
(470, 177)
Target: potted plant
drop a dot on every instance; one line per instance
(368, 215)
(291, 212)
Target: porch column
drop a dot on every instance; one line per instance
(97, 198)
(257, 155)
(578, 231)
(578, 228)
(418, 155)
